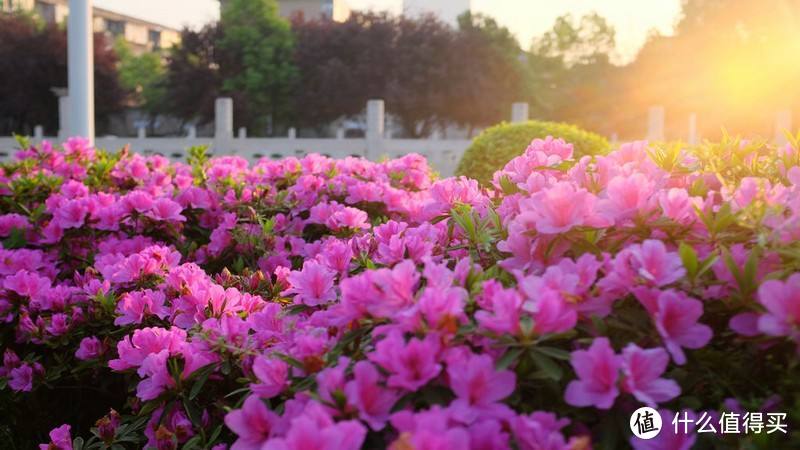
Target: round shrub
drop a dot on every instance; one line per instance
(497, 145)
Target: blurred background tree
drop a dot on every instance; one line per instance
(33, 60)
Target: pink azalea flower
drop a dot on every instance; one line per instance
(89, 348)
(539, 431)
(372, 401)
(137, 305)
(26, 284)
(410, 365)
(272, 374)
(60, 439)
(307, 434)
(642, 369)
(479, 387)
(598, 371)
(133, 350)
(166, 210)
(782, 301)
(628, 196)
(676, 320)
(560, 208)
(71, 214)
(254, 424)
(655, 264)
(313, 285)
(21, 378)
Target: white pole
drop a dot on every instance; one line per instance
(80, 73)
(693, 140)
(783, 125)
(655, 123)
(519, 112)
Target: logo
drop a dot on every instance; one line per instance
(645, 423)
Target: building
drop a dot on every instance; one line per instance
(446, 10)
(140, 34)
(336, 10)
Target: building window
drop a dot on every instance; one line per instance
(115, 27)
(154, 37)
(47, 11)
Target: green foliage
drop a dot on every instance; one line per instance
(141, 75)
(261, 44)
(496, 146)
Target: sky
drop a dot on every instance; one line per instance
(632, 19)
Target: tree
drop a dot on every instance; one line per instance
(417, 93)
(486, 72)
(570, 72)
(33, 60)
(590, 40)
(193, 79)
(341, 65)
(733, 62)
(258, 43)
(142, 76)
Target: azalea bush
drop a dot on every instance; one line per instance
(343, 304)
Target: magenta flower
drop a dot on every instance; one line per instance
(60, 439)
(642, 369)
(71, 214)
(21, 378)
(90, 348)
(306, 433)
(254, 424)
(782, 301)
(26, 284)
(598, 371)
(372, 401)
(479, 387)
(410, 365)
(676, 320)
(559, 208)
(550, 313)
(539, 431)
(166, 210)
(655, 264)
(313, 285)
(137, 305)
(272, 374)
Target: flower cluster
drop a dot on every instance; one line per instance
(344, 304)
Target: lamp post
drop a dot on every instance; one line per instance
(80, 68)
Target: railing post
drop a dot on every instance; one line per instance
(141, 132)
(292, 133)
(376, 126)
(242, 133)
(63, 112)
(655, 123)
(519, 112)
(223, 126)
(693, 138)
(340, 133)
(38, 133)
(783, 125)
(191, 131)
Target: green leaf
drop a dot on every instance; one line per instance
(554, 352)
(689, 259)
(508, 357)
(15, 240)
(193, 443)
(202, 376)
(547, 365)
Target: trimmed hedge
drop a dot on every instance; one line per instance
(497, 145)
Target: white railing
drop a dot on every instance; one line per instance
(442, 154)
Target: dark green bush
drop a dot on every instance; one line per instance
(497, 145)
